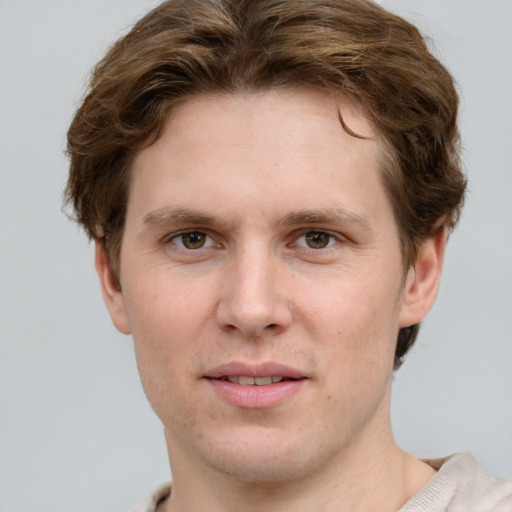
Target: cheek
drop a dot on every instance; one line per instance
(165, 319)
(163, 308)
(356, 308)
(362, 347)
(164, 328)
(358, 326)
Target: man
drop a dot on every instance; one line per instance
(270, 186)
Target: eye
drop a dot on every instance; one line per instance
(192, 240)
(316, 240)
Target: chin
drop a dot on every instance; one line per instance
(265, 460)
(263, 468)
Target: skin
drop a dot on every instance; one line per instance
(250, 167)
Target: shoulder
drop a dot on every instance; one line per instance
(462, 485)
(150, 502)
(476, 489)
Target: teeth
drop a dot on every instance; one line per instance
(263, 381)
(244, 380)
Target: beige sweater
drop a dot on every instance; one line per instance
(460, 485)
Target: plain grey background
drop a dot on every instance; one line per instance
(76, 431)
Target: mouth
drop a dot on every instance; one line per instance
(247, 380)
(262, 374)
(259, 386)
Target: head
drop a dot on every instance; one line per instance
(350, 49)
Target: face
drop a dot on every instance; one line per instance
(261, 279)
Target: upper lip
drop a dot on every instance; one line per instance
(254, 370)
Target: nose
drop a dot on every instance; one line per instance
(254, 298)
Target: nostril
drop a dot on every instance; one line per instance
(271, 326)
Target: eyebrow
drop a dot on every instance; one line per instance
(166, 216)
(326, 216)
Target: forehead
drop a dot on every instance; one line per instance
(270, 150)
(276, 120)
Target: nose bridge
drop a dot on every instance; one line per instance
(254, 299)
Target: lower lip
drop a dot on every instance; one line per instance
(256, 397)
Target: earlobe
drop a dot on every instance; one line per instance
(112, 294)
(422, 281)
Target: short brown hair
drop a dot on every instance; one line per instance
(349, 47)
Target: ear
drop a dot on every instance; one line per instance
(112, 294)
(422, 280)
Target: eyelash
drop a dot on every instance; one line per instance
(182, 234)
(332, 240)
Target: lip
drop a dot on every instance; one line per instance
(255, 397)
(255, 370)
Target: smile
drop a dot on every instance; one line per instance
(245, 380)
(259, 386)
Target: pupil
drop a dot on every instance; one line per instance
(317, 240)
(193, 240)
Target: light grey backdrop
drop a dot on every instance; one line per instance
(76, 432)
